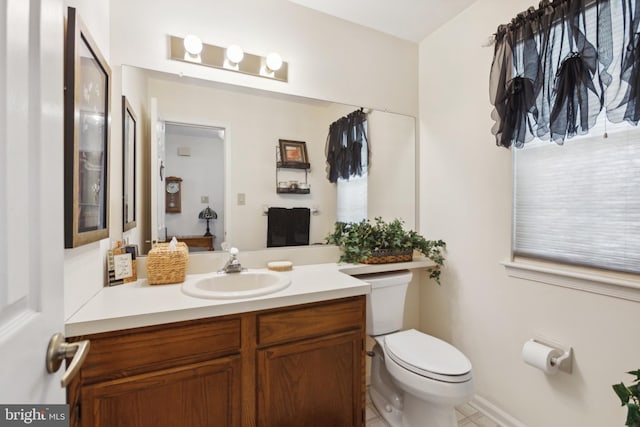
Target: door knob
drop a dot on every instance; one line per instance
(59, 350)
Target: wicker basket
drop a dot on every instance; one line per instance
(167, 266)
(386, 256)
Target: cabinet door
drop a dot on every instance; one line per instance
(312, 383)
(204, 394)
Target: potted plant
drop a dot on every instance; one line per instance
(380, 242)
(630, 397)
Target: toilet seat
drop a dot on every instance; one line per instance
(428, 356)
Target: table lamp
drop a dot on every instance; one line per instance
(208, 214)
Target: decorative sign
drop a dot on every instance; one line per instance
(122, 266)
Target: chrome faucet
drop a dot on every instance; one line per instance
(233, 264)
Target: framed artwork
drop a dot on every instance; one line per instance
(293, 151)
(87, 109)
(129, 144)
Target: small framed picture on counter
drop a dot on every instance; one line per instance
(121, 265)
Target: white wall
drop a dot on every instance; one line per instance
(466, 200)
(328, 58)
(392, 167)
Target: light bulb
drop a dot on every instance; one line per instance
(193, 44)
(274, 61)
(235, 54)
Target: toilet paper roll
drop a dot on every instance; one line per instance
(540, 356)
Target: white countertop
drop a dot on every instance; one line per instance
(139, 304)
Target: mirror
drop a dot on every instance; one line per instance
(251, 123)
(129, 148)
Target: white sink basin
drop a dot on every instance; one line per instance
(246, 284)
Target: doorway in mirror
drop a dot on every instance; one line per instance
(196, 154)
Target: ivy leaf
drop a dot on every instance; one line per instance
(633, 415)
(636, 373)
(623, 393)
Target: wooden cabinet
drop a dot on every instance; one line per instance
(310, 366)
(295, 366)
(186, 373)
(314, 383)
(203, 394)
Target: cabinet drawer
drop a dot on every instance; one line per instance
(205, 394)
(123, 353)
(311, 320)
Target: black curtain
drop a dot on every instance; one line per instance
(555, 70)
(343, 149)
(628, 107)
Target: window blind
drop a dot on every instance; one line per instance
(580, 203)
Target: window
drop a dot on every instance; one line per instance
(352, 193)
(563, 73)
(580, 203)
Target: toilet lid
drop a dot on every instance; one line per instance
(428, 356)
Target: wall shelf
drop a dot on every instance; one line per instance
(293, 165)
(292, 187)
(287, 190)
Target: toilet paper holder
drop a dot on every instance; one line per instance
(563, 361)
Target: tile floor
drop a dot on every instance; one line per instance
(467, 415)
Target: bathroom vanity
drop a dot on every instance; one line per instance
(297, 366)
(159, 357)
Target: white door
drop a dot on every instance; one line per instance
(31, 201)
(158, 164)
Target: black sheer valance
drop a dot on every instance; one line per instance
(343, 149)
(557, 68)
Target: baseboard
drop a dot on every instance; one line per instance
(495, 413)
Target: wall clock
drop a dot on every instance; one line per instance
(173, 196)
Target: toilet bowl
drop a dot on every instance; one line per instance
(416, 379)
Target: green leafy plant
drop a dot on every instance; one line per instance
(359, 241)
(630, 397)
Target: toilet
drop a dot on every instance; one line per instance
(416, 379)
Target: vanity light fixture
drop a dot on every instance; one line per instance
(234, 55)
(193, 44)
(193, 47)
(274, 61)
(232, 58)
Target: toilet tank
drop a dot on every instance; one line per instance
(385, 303)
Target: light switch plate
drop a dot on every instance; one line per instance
(204, 199)
(241, 199)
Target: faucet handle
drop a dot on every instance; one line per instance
(233, 251)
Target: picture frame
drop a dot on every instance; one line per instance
(121, 265)
(87, 117)
(129, 149)
(293, 152)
